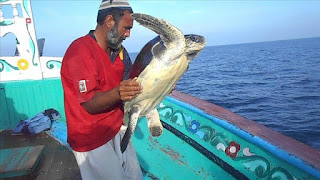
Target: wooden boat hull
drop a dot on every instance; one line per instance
(200, 140)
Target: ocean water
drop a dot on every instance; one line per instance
(276, 84)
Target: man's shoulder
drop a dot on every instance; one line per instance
(78, 47)
(81, 45)
(84, 40)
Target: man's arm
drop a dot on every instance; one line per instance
(127, 90)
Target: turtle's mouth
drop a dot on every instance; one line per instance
(192, 55)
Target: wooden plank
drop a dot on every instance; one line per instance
(31, 101)
(50, 166)
(38, 97)
(10, 107)
(4, 114)
(19, 92)
(19, 161)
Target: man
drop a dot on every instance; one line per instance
(94, 74)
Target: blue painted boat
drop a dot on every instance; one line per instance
(200, 140)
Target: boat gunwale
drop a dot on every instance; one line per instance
(293, 150)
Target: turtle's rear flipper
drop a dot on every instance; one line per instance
(133, 119)
(154, 123)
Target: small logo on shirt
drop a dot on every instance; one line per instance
(82, 86)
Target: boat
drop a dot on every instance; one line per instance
(200, 140)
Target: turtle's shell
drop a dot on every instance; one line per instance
(143, 58)
(157, 77)
(146, 54)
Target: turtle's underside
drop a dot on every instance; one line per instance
(159, 66)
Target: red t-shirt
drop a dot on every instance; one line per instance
(86, 69)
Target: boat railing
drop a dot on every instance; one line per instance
(27, 63)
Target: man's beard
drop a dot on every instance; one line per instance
(113, 40)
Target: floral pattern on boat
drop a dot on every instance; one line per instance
(255, 166)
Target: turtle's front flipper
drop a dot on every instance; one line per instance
(171, 36)
(154, 124)
(133, 119)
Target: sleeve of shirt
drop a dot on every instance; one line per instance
(127, 64)
(82, 73)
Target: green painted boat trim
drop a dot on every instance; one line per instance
(7, 66)
(53, 63)
(6, 23)
(294, 160)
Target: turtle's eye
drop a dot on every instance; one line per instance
(193, 38)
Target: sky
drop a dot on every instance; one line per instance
(221, 22)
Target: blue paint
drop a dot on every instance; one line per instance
(32, 47)
(5, 65)
(31, 42)
(25, 6)
(145, 176)
(250, 138)
(59, 132)
(53, 63)
(6, 23)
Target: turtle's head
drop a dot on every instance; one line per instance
(195, 43)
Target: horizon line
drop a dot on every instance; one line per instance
(253, 42)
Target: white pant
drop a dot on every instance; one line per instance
(107, 162)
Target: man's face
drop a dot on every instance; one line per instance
(120, 31)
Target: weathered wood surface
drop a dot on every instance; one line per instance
(19, 161)
(57, 162)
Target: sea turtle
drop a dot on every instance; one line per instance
(158, 66)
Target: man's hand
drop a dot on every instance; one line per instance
(129, 89)
(101, 101)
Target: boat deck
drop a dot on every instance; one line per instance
(182, 152)
(57, 161)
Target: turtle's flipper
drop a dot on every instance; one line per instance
(125, 120)
(170, 35)
(133, 119)
(154, 123)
